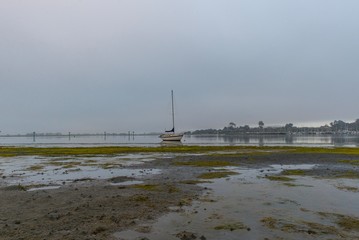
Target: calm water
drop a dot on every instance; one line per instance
(250, 197)
(253, 140)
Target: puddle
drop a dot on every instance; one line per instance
(32, 170)
(27, 170)
(59, 176)
(240, 207)
(43, 188)
(293, 166)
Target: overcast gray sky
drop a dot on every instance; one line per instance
(109, 65)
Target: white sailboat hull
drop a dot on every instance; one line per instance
(171, 136)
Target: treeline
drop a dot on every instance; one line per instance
(335, 127)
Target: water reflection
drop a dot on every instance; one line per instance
(284, 140)
(151, 140)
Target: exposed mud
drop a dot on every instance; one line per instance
(96, 207)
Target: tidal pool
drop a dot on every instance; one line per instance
(49, 171)
(250, 206)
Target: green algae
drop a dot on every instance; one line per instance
(348, 174)
(351, 162)
(147, 187)
(69, 166)
(35, 168)
(185, 202)
(139, 198)
(193, 182)
(292, 226)
(18, 187)
(245, 153)
(280, 178)
(65, 164)
(8, 155)
(317, 228)
(294, 172)
(105, 151)
(269, 222)
(109, 165)
(348, 223)
(334, 150)
(348, 188)
(172, 189)
(169, 188)
(213, 175)
(206, 164)
(119, 179)
(96, 151)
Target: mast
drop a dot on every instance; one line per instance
(173, 113)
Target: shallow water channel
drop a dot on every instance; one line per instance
(250, 206)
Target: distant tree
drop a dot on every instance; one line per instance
(338, 125)
(356, 123)
(288, 127)
(205, 131)
(261, 124)
(232, 125)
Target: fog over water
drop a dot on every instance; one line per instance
(94, 66)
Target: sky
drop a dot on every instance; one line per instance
(110, 65)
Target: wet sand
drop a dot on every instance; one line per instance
(166, 187)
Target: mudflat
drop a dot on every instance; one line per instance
(97, 193)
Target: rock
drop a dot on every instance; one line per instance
(186, 235)
(99, 230)
(53, 216)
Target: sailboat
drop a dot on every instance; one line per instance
(171, 135)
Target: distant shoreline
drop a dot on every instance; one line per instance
(189, 134)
